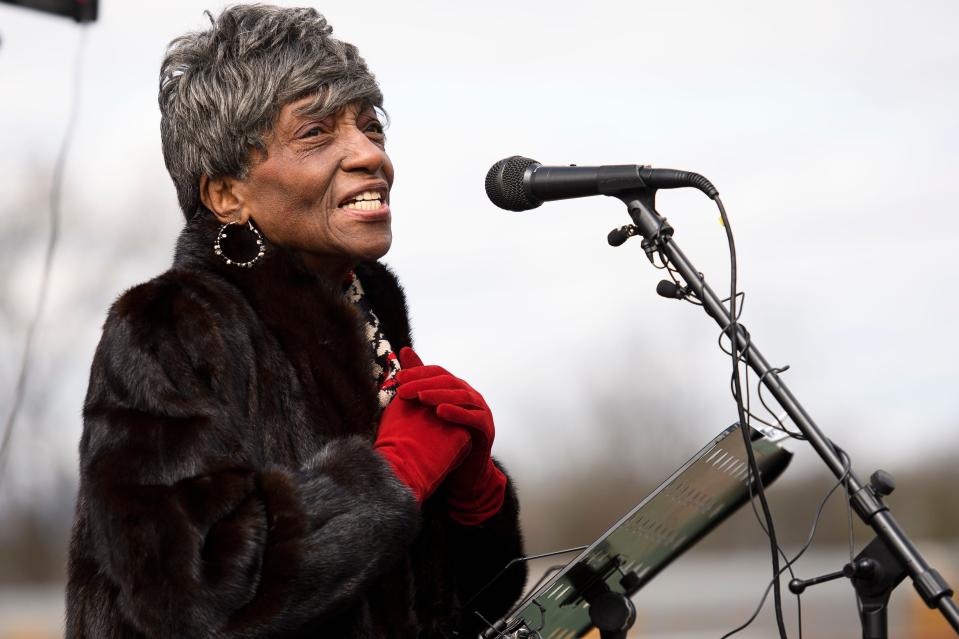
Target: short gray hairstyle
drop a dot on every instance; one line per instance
(221, 90)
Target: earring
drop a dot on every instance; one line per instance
(260, 246)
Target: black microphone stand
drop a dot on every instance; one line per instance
(891, 555)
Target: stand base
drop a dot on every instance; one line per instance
(875, 587)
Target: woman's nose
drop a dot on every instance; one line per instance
(362, 153)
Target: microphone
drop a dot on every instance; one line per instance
(670, 289)
(519, 184)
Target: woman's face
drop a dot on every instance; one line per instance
(323, 188)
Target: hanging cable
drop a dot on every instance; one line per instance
(802, 550)
(733, 329)
(56, 193)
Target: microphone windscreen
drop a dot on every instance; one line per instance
(670, 289)
(617, 237)
(504, 184)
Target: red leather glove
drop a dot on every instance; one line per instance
(421, 447)
(476, 488)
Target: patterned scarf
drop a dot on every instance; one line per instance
(385, 364)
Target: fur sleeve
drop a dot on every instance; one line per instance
(197, 536)
(479, 553)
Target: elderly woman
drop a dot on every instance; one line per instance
(263, 454)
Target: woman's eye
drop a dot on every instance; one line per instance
(375, 132)
(312, 132)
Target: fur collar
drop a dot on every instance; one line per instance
(280, 275)
(318, 328)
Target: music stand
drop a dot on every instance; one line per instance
(594, 589)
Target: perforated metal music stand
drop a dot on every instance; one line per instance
(681, 511)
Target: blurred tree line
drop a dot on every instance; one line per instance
(563, 513)
(579, 509)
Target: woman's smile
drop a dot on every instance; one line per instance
(370, 204)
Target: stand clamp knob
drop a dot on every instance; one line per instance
(862, 568)
(882, 482)
(613, 613)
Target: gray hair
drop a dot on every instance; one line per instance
(221, 90)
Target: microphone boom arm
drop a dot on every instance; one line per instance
(930, 585)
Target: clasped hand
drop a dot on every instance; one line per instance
(439, 428)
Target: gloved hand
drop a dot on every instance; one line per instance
(476, 488)
(421, 447)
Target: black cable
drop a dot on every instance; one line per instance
(546, 575)
(741, 302)
(509, 565)
(752, 502)
(852, 541)
(751, 415)
(733, 328)
(532, 590)
(759, 387)
(802, 550)
(499, 633)
(689, 294)
(809, 539)
(738, 354)
(822, 503)
(56, 190)
(745, 344)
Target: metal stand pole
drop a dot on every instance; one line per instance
(930, 585)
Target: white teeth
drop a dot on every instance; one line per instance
(365, 201)
(364, 205)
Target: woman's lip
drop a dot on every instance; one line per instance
(375, 215)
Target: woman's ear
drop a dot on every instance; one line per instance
(220, 197)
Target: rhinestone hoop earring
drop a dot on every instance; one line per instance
(260, 247)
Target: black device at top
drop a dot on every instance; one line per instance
(79, 10)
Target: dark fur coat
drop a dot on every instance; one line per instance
(228, 486)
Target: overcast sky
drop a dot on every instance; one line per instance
(830, 128)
